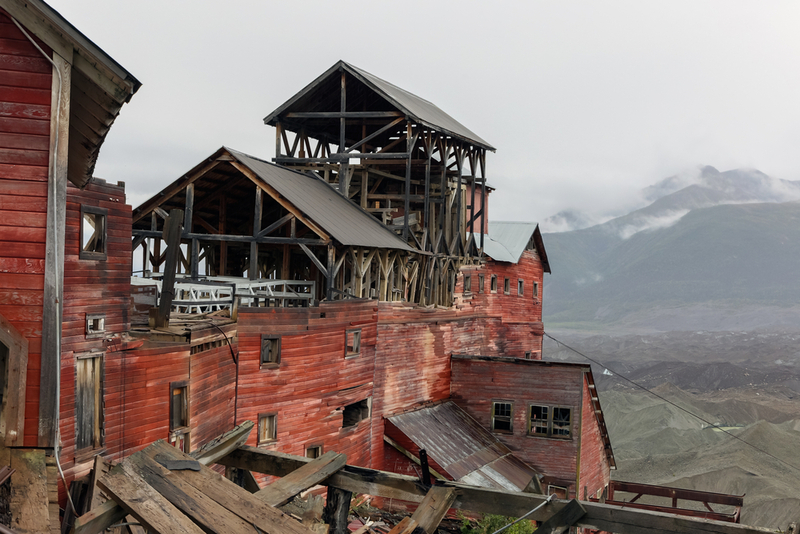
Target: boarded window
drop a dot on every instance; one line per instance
(95, 324)
(494, 284)
(550, 421)
(507, 286)
(267, 428)
(93, 233)
(480, 283)
(88, 402)
(356, 412)
(467, 284)
(502, 412)
(353, 342)
(314, 451)
(270, 351)
(178, 406)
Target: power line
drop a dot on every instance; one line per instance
(653, 393)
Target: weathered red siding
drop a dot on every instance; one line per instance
(25, 93)
(476, 383)
(595, 471)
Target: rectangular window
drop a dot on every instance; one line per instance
(480, 283)
(527, 355)
(467, 284)
(93, 233)
(559, 491)
(95, 324)
(88, 402)
(536, 290)
(313, 451)
(502, 412)
(352, 343)
(178, 406)
(550, 421)
(507, 286)
(270, 351)
(356, 412)
(267, 428)
(520, 287)
(494, 283)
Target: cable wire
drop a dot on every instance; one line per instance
(653, 393)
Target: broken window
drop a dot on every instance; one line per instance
(93, 233)
(267, 428)
(520, 287)
(507, 286)
(88, 401)
(494, 283)
(352, 342)
(178, 406)
(356, 412)
(95, 324)
(270, 351)
(467, 284)
(480, 283)
(502, 412)
(536, 290)
(550, 421)
(558, 491)
(313, 451)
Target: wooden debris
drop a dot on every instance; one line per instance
(223, 445)
(337, 508)
(282, 491)
(434, 507)
(559, 522)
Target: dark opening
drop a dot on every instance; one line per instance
(354, 413)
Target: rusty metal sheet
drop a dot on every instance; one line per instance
(463, 448)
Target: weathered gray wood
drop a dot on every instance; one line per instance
(145, 503)
(257, 209)
(282, 491)
(98, 519)
(172, 235)
(315, 260)
(433, 508)
(562, 520)
(274, 226)
(514, 504)
(337, 507)
(223, 445)
(375, 134)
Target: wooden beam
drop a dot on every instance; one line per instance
(315, 260)
(337, 507)
(342, 114)
(513, 504)
(410, 456)
(282, 491)
(433, 508)
(172, 236)
(98, 519)
(562, 520)
(222, 446)
(274, 226)
(374, 134)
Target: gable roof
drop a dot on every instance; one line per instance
(341, 218)
(416, 108)
(506, 241)
(463, 448)
(99, 85)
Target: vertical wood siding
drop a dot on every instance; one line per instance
(595, 471)
(25, 89)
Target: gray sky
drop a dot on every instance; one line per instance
(586, 102)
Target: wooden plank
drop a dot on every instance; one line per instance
(514, 504)
(282, 491)
(100, 518)
(405, 526)
(337, 507)
(434, 507)
(28, 503)
(201, 508)
(243, 503)
(223, 445)
(561, 521)
(145, 503)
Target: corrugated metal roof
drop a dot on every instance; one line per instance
(418, 109)
(463, 448)
(341, 218)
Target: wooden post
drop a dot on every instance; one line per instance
(331, 274)
(483, 194)
(342, 120)
(433, 508)
(337, 506)
(194, 261)
(253, 270)
(423, 461)
(223, 246)
(407, 200)
(172, 235)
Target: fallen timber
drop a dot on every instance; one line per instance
(189, 495)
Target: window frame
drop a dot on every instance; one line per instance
(536, 291)
(467, 283)
(90, 319)
(548, 423)
(493, 284)
(506, 285)
(271, 363)
(184, 386)
(312, 446)
(503, 418)
(481, 283)
(520, 287)
(262, 418)
(356, 332)
(85, 451)
(93, 254)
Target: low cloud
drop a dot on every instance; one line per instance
(647, 223)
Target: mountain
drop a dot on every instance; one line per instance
(719, 253)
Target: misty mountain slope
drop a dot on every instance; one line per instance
(730, 255)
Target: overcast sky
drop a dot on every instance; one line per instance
(586, 102)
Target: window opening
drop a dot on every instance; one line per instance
(558, 491)
(507, 286)
(270, 351)
(314, 451)
(520, 287)
(494, 283)
(93, 233)
(88, 402)
(356, 412)
(480, 283)
(352, 342)
(95, 324)
(550, 421)
(501, 416)
(527, 355)
(467, 284)
(267, 428)
(536, 290)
